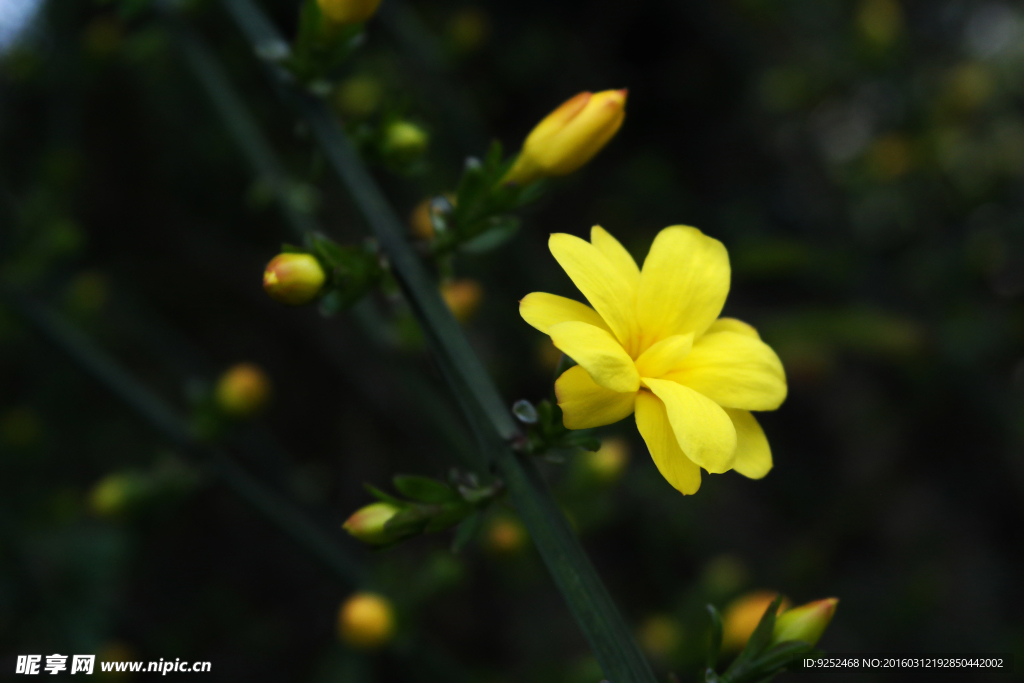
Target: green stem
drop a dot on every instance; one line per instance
(573, 573)
(276, 508)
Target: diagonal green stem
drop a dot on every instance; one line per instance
(575, 576)
(276, 508)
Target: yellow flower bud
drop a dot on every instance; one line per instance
(366, 621)
(742, 616)
(404, 142)
(607, 464)
(660, 636)
(367, 523)
(505, 536)
(569, 136)
(805, 623)
(348, 11)
(293, 279)
(243, 390)
(463, 298)
(114, 494)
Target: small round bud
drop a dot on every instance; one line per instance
(115, 493)
(366, 621)
(293, 279)
(505, 536)
(805, 623)
(347, 11)
(243, 390)
(742, 616)
(404, 142)
(660, 636)
(367, 523)
(463, 298)
(606, 465)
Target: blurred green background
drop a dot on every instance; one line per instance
(862, 161)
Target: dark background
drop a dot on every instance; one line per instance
(862, 162)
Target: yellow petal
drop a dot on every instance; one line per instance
(654, 427)
(606, 290)
(543, 310)
(733, 325)
(616, 255)
(598, 352)
(735, 371)
(683, 284)
(584, 404)
(665, 356)
(703, 430)
(753, 455)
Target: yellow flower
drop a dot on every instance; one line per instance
(569, 136)
(348, 11)
(653, 344)
(366, 621)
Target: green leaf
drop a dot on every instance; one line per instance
(757, 642)
(499, 231)
(380, 495)
(448, 515)
(411, 521)
(466, 531)
(715, 646)
(424, 489)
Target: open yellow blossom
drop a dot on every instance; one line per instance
(653, 344)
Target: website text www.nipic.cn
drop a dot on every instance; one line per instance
(86, 664)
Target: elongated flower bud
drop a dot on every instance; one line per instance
(293, 279)
(404, 142)
(742, 616)
(366, 621)
(367, 523)
(805, 623)
(569, 136)
(243, 390)
(348, 11)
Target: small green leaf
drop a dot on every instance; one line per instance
(409, 522)
(715, 646)
(448, 515)
(424, 489)
(467, 529)
(380, 495)
(499, 230)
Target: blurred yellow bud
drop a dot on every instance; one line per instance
(243, 390)
(462, 297)
(421, 220)
(805, 623)
(742, 616)
(367, 523)
(293, 279)
(607, 464)
(659, 636)
(880, 21)
(505, 535)
(366, 621)
(347, 11)
(359, 96)
(404, 142)
(569, 136)
(114, 494)
(20, 427)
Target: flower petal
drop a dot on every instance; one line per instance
(665, 356)
(733, 325)
(542, 310)
(584, 404)
(683, 285)
(753, 455)
(616, 255)
(606, 290)
(703, 430)
(735, 371)
(654, 427)
(598, 352)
